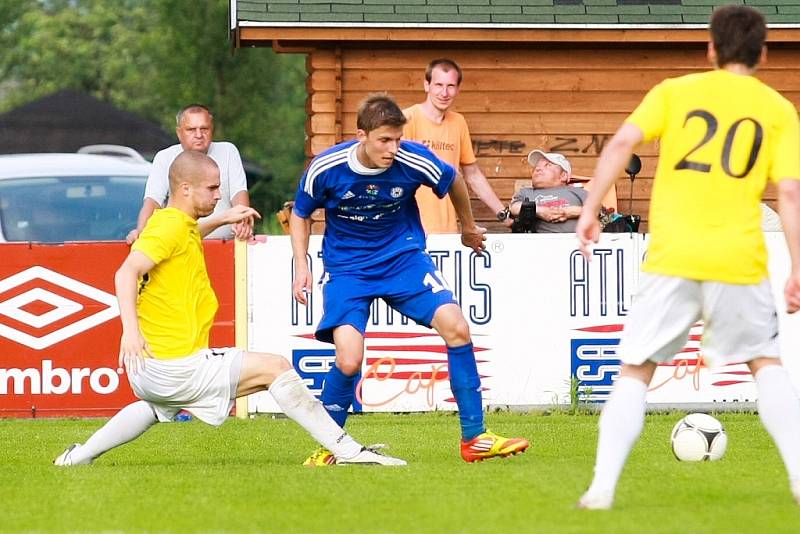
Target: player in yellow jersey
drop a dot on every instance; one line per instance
(723, 134)
(167, 307)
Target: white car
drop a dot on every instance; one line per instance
(52, 198)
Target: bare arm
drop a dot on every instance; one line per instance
(234, 214)
(472, 236)
(148, 207)
(132, 347)
(612, 161)
(242, 230)
(478, 183)
(300, 230)
(789, 207)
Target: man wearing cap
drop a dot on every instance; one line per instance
(558, 205)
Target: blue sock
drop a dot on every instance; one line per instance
(337, 394)
(466, 386)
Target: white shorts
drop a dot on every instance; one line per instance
(204, 384)
(740, 321)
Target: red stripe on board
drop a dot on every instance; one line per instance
(602, 328)
(441, 349)
(387, 335)
(733, 373)
(676, 363)
(695, 337)
(419, 375)
(404, 361)
(730, 382)
(388, 360)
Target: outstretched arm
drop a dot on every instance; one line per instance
(132, 346)
(478, 183)
(242, 230)
(300, 230)
(610, 165)
(472, 236)
(234, 214)
(789, 207)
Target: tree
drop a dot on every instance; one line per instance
(152, 57)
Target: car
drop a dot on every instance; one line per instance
(93, 195)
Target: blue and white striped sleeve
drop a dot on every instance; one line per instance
(430, 170)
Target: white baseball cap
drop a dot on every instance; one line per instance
(553, 157)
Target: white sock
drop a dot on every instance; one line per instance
(621, 423)
(297, 402)
(130, 422)
(779, 409)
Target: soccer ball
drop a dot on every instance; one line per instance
(698, 437)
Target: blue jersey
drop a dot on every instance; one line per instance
(370, 214)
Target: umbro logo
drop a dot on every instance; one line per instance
(40, 307)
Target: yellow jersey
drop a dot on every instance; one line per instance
(176, 304)
(450, 141)
(722, 136)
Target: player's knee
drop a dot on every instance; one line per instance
(349, 367)
(456, 333)
(282, 364)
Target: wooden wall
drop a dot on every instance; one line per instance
(567, 99)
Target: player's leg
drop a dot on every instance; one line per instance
(415, 288)
(663, 311)
(621, 423)
(465, 382)
(476, 442)
(261, 371)
(346, 310)
(128, 424)
(743, 326)
(779, 410)
(338, 390)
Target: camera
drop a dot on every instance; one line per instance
(525, 222)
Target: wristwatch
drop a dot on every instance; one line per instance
(502, 215)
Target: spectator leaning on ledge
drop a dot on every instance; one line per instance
(558, 205)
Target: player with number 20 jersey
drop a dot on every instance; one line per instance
(714, 162)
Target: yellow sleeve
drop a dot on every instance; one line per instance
(465, 141)
(159, 238)
(650, 116)
(785, 158)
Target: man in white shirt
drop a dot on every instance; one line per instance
(195, 128)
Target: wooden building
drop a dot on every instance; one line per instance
(554, 74)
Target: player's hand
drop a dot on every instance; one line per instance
(792, 293)
(239, 213)
(243, 230)
(132, 236)
(474, 238)
(302, 285)
(588, 231)
(133, 350)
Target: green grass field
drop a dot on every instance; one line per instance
(246, 477)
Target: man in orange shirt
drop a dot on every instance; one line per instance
(445, 132)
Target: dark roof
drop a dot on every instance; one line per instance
(488, 13)
(67, 120)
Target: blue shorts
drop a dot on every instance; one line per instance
(410, 283)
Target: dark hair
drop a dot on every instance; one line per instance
(446, 65)
(192, 108)
(738, 33)
(377, 110)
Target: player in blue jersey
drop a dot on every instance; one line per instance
(374, 247)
